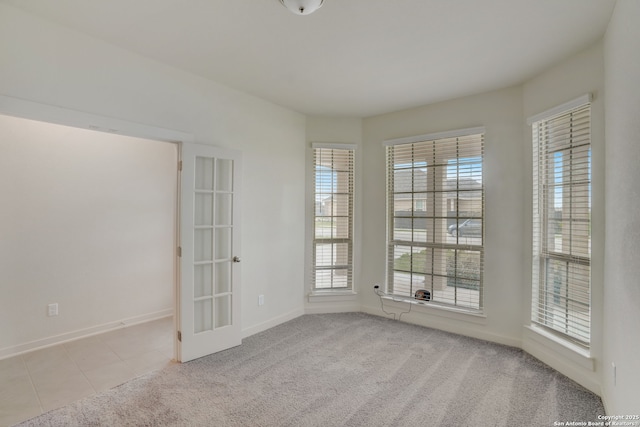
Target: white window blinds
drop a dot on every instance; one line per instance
(562, 223)
(435, 201)
(333, 217)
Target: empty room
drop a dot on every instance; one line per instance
(319, 213)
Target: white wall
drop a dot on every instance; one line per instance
(564, 82)
(46, 63)
(500, 112)
(87, 222)
(508, 190)
(621, 343)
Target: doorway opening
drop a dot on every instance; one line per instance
(89, 232)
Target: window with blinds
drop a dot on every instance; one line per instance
(333, 216)
(562, 223)
(435, 202)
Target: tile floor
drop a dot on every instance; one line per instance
(37, 382)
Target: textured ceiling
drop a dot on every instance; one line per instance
(350, 58)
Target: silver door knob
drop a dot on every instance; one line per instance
(236, 259)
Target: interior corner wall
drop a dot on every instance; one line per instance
(575, 76)
(88, 222)
(621, 346)
(46, 63)
(500, 112)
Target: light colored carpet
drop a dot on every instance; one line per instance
(348, 369)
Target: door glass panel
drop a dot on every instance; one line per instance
(208, 310)
(223, 209)
(224, 175)
(204, 173)
(203, 280)
(203, 315)
(213, 232)
(223, 243)
(223, 277)
(203, 209)
(203, 245)
(223, 311)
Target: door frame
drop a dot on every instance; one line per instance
(31, 110)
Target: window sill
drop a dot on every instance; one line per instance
(572, 352)
(332, 296)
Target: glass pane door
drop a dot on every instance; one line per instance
(209, 307)
(213, 231)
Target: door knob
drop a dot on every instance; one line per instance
(236, 259)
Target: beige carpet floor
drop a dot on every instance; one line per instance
(348, 369)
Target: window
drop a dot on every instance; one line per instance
(435, 202)
(562, 221)
(333, 216)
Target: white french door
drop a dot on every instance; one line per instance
(208, 297)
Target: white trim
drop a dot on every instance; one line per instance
(335, 307)
(434, 136)
(26, 109)
(605, 400)
(561, 356)
(560, 109)
(332, 301)
(449, 323)
(334, 145)
(260, 327)
(568, 350)
(332, 296)
(82, 333)
(438, 309)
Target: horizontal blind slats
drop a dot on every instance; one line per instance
(333, 218)
(562, 231)
(427, 184)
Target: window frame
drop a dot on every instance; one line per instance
(348, 152)
(475, 247)
(576, 329)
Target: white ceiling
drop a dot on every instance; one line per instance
(352, 57)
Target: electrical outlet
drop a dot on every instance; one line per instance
(52, 309)
(260, 299)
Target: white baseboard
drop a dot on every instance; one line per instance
(322, 309)
(603, 396)
(252, 330)
(555, 359)
(19, 349)
(443, 321)
(320, 302)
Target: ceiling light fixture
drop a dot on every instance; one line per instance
(302, 7)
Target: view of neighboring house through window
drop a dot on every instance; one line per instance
(562, 221)
(435, 202)
(333, 216)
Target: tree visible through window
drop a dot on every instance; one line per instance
(333, 217)
(435, 201)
